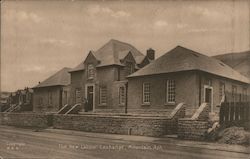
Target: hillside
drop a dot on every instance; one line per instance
(238, 61)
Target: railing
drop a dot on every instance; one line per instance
(234, 113)
(13, 108)
(64, 109)
(75, 109)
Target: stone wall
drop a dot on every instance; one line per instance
(192, 129)
(196, 127)
(130, 125)
(25, 119)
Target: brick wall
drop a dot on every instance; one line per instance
(183, 82)
(41, 99)
(24, 119)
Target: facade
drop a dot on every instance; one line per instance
(182, 75)
(53, 93)
(21, 98)
(101, 78)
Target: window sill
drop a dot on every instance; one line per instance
(145, 104)
(102, 105)
(170, 103)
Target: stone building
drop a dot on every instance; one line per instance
(101, 77)
(53, 93)
(183, 75)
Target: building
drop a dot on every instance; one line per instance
(4, 101)
(20, 100)
(53, 93)
(101, 77)
(183, 75)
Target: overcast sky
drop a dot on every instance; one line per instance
(40, 37)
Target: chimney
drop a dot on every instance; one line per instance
(151, 54)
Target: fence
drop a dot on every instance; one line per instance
(234, 113)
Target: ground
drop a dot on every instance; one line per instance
(64, 144)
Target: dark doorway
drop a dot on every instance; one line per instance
(90, 97)
(209, 96)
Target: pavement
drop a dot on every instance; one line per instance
(68, 144)
(162, 140)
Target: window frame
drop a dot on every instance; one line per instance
(101, 102)
(121, 98)
(90, 71)
(144, 93)
(167, 91)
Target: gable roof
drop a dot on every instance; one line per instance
(111, 53)
(60, 78)
(183, 59)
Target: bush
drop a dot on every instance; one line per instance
(234, 135)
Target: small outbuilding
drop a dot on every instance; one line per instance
(183, 75)
(53, 93)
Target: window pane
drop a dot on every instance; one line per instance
(146, 92)
(170, 91)
(103, 95)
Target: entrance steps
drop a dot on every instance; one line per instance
(68, 109)
(64, 109)
(75, 109)
(13, 108)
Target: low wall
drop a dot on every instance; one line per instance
(192, 129)
(146, 126)
(195, 128)
(25, 119)
(130, 124)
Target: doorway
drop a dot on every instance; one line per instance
(90, 96)
(208, 96)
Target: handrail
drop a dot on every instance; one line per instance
(9, 109)
(62, 108)
(78, 104)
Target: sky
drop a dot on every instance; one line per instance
(38, 38)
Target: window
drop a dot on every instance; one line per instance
(129, 67)
(103, 95)
(170, 91)
(90, 71)
(122, 95)
(234, 93)
(146, 93)
(50, 98)
(244, 96)
(222, 90)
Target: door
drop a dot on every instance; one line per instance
(209, 96)
(90, 97)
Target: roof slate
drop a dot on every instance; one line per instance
(183, 59)
(61, 77)
(111, 53)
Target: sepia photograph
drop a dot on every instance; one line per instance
(125, 79)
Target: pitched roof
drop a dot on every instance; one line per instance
(111, 53)
(61, 77)
(183, 59)
(238, 61)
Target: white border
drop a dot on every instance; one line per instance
(212, 94)
(86, 86)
